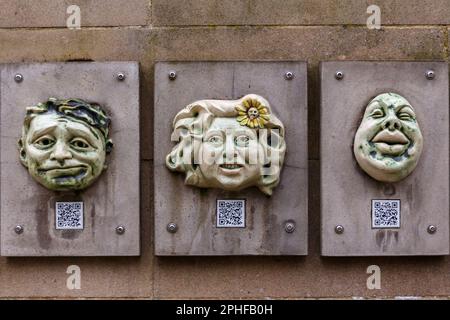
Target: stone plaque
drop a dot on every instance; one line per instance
(229, 207)
(384, 158)
(70, 159)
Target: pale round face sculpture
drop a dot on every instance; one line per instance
(63, 152)
(227, 152)
(388, 142)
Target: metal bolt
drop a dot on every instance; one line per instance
(432, 229)
(120, 230)
(172, 75)
(339, 229)
(289, 75)
(18, 77)
(18, 229)
(172, 227)
(289, 227)
(339, 75)
(430, 74)
(120, 76)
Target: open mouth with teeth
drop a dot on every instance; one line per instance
(230, 166)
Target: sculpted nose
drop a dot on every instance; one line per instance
(230, 150)
(60, 153)
(392, 123)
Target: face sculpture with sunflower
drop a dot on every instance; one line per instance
(228, 144)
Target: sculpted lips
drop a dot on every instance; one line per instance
(391, 142)
(57, 172)
(230, 168)
(390, 137)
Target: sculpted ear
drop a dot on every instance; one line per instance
(174, 160)
(275, 149)
(22, 153)
(109, 146)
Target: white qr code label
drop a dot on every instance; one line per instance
(385, 214)
(69, 215)
(230, 213)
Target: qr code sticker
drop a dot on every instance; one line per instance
(230, 213)
(385, 214)
(69, 215)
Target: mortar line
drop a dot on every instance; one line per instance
(150, 12)
(224, 27)
(446, 43)
(262, 298)
(345, 25)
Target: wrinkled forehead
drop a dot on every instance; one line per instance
(53, 120)
(388, 100)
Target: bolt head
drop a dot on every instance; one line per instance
(18, 78)
(430, 74)
(172, 227)
(339, 75)
(339, 229)
(289, 227)
(18, 229)
(121, 76)
(289, 75)
(431, 229)
(172, 75)
(120, 230)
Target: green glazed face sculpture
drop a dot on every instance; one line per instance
(228, 144)
(64, 143)
(388, 143)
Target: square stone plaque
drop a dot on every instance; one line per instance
(194, 210)
(364, 217)
(86, 226)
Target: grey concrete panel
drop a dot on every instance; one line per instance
(194, 209)
(111, 201)
(347, 191)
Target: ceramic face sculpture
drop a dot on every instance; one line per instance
(228, 144)
(64, 143)
(388, 142)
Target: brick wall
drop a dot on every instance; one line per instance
(310, 30)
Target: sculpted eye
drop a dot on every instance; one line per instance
(44, 142)
(377, 113)
(242, 140)
(405, 115)
(79, 143)
(216, 140)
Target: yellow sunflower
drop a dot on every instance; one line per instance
(252, 114)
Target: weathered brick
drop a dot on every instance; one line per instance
(296, 12)
(50, 13)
